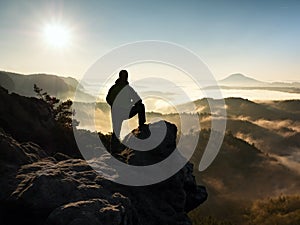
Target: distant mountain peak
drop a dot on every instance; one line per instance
(240, 80)
(237, 75)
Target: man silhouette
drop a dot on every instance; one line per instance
(125, 103)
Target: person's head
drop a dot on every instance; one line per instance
(123, 75)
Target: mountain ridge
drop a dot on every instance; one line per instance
(65, 87)
(241, 80)
(59, 86)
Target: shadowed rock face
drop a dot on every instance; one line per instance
(182, 183)
(39, 189)
(166, 145)
(30, 120)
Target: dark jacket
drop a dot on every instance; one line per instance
(128, 95)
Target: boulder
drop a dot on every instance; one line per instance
(117, 210)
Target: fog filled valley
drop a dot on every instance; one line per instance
(259, 158)
(255, 178)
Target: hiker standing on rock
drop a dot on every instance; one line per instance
(125, 103)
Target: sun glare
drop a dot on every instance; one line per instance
(57, 35)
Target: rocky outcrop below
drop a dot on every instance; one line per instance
(39, 188)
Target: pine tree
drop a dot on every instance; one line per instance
(61, 111)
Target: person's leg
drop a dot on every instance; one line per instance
(114, 143)
(139, 109)
(117, 124)
(133, 111)
(141, 114)
(115, 139)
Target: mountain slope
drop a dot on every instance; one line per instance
(61, 87)
(240, 80)
(30, 119)
(239, 175)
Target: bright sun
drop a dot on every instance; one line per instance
(57, 35)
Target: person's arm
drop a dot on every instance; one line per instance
(109, 99)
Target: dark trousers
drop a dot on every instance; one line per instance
(118, 117)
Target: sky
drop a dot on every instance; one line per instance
(257, 38)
